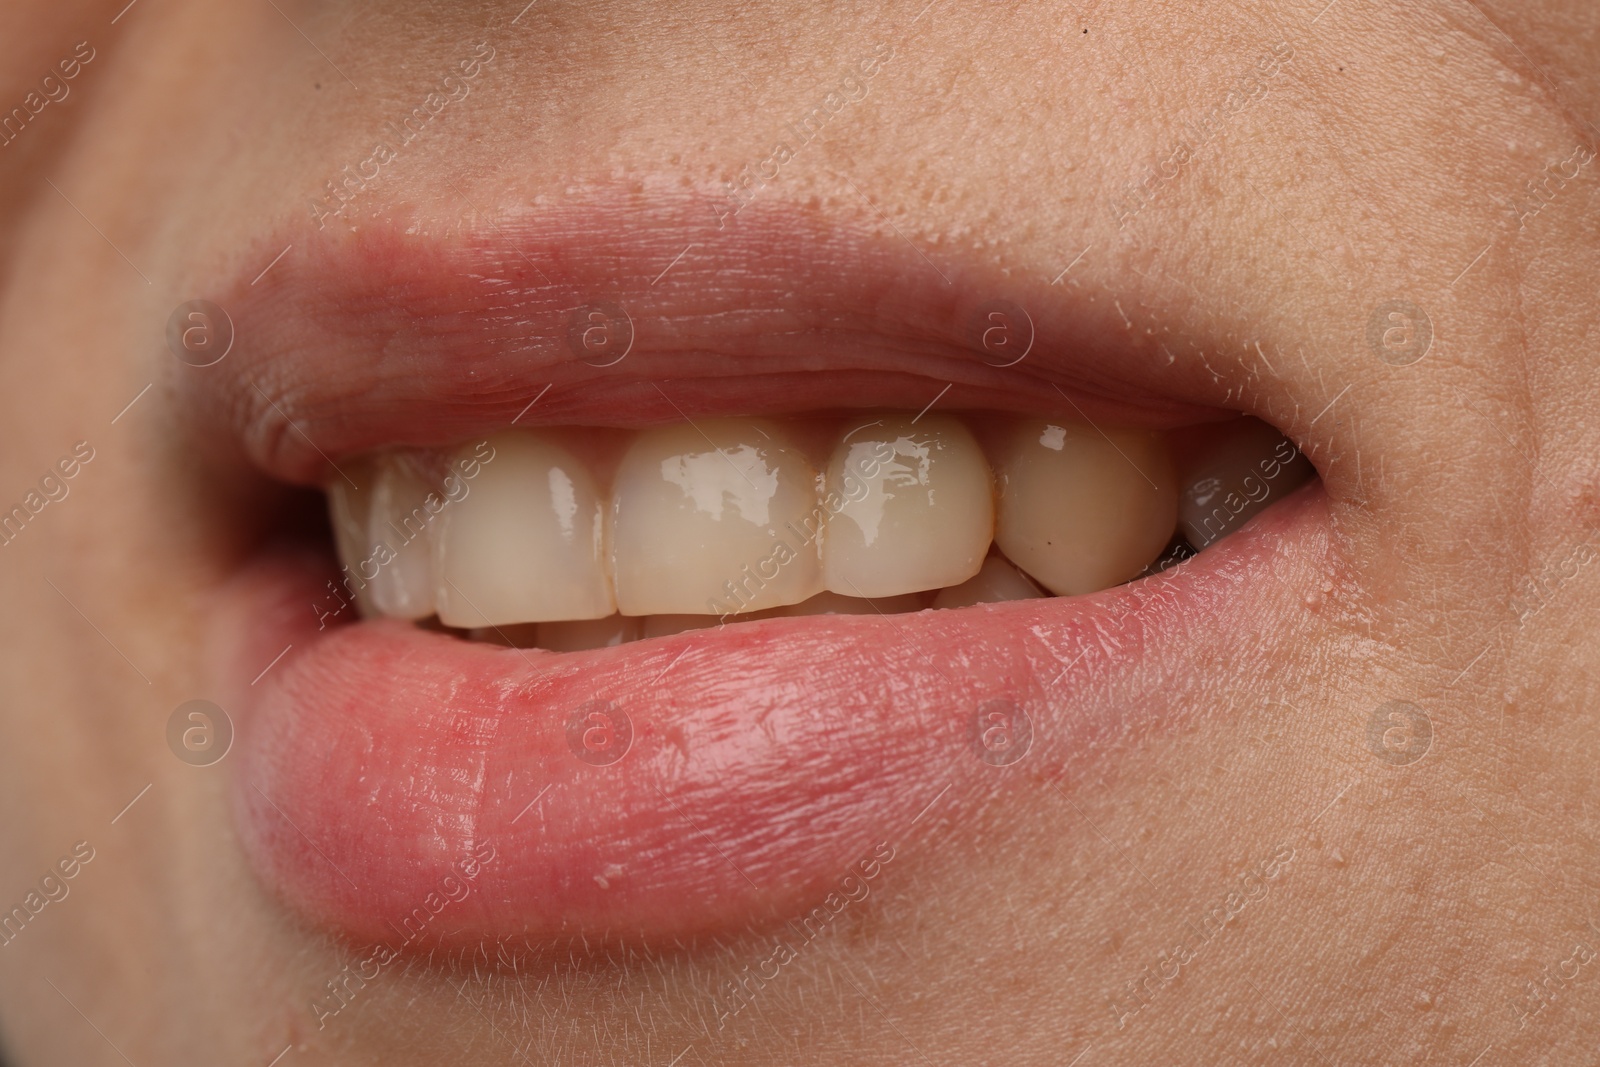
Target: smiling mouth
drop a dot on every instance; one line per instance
(762, 575)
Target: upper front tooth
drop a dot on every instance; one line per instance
(728, 518)
(912, 508)
(1232, 472)
(719, 517)
(525, 542)
(404, 507)
(1082, 510)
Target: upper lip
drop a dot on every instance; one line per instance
(391, 337)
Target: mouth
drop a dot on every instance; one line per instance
(652, 601)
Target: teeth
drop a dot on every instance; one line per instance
(913, 508)
(720, 516)
(1232, 472)
(525, 542)
(402, 520)
(996, 581)
(728, 520)
(1082, 510)
(349, 507)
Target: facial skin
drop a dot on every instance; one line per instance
(1418, 873)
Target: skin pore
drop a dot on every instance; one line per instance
(1360, 836)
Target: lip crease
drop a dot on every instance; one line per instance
(767, 757)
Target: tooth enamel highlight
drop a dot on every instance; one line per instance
(526, 543)
(402, 518)
(995, 582)
(1232, 473)
(1082, 510)
(913, 508)
(719, 516)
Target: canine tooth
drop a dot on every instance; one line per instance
(995, 582)
(719, 516)
(588, 633)
(1234, 472)
(525, 541)
(349, 506)
(1082, 510)
(402, 520)
(912, 508)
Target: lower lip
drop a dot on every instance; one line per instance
(402, 786)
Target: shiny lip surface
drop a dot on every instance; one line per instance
(768, 757)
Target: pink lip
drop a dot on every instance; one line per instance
(392, 338)
(766, 759)
(377, 765)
